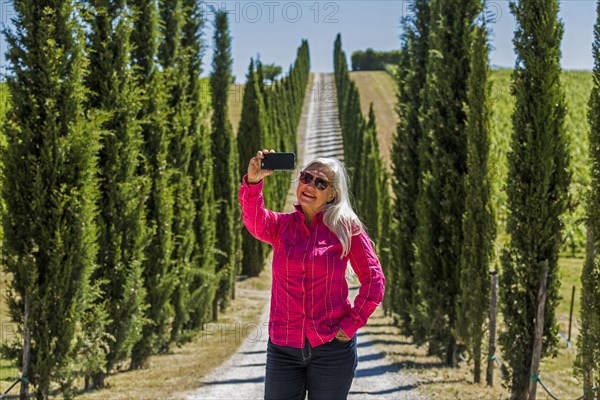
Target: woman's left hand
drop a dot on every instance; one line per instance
(340, 335)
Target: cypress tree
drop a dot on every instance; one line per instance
(479, 226)
(588, 341)
(386, 240)
(203, 280)
(406, 165)
(123, 191)
(371, 179)
(440, 203)
(537, 185)
(252, 132)
(157, 265)
(173, 61)
(224, 148)
(49, 189)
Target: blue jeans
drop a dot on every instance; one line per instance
(325, 371)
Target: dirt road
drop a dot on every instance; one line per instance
(377, 377)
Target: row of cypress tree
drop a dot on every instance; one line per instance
(270, 116)
(115, 173)
(443, 225)
(587, 363)
(368, 177)
(444, 222)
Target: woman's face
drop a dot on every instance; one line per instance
(309, 196)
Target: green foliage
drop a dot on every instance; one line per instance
(537, 187)
(271, 71)
(121, 220)
(158, 275)
(371, 60)
(270, 116)
(226, 168)
(203, 281)
(252, 135)
(479, 226)
(577, 87)
(371, 180)
(411, 73)
(443, 160)
(361, 150)
(49, 188)
(588, 343)
(174, 61)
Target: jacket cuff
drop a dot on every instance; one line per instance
(255, 188)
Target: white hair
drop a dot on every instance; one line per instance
(338, 215)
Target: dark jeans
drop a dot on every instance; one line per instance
(325, 371)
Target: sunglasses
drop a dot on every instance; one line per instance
(320, 183)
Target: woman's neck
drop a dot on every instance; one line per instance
(308, 218)
(308, 215)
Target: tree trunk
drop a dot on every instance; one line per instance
(489, 378)
(539, 331)
(477, 362)
(215, 307)
(24, 394)
(451, 352)
(587, 358)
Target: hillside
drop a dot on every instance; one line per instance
(379, 88)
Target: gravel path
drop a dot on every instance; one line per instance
(377, 377)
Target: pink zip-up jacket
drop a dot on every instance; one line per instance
(309, 294)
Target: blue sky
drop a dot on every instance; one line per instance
(274, 29)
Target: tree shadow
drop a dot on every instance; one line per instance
(442, 381)
(371, 357)
(252, 365)
(383, 342)
(253, 352)
(396, 367)
(386, 391)
(258, 379)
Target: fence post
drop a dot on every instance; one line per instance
(539, 331)
(571, 316)
(489, 376)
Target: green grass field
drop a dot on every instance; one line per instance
(379, 88)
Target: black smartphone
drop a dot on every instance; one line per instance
(274, 161)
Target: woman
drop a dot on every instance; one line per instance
(312, 326)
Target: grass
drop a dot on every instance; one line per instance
(437, 381)
(234, 104)
(171, 375)
(379, 88)
(234, 101)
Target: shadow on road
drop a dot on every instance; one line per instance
(387, 391)
(371, 357)
(254, 352)
(252, 365)
(382, 342)
(258, 379)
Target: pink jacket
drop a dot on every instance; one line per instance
(309, 294)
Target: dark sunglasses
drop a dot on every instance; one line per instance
(306, 178)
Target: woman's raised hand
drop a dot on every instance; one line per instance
(255, 173)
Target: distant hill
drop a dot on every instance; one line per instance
(379, 88)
